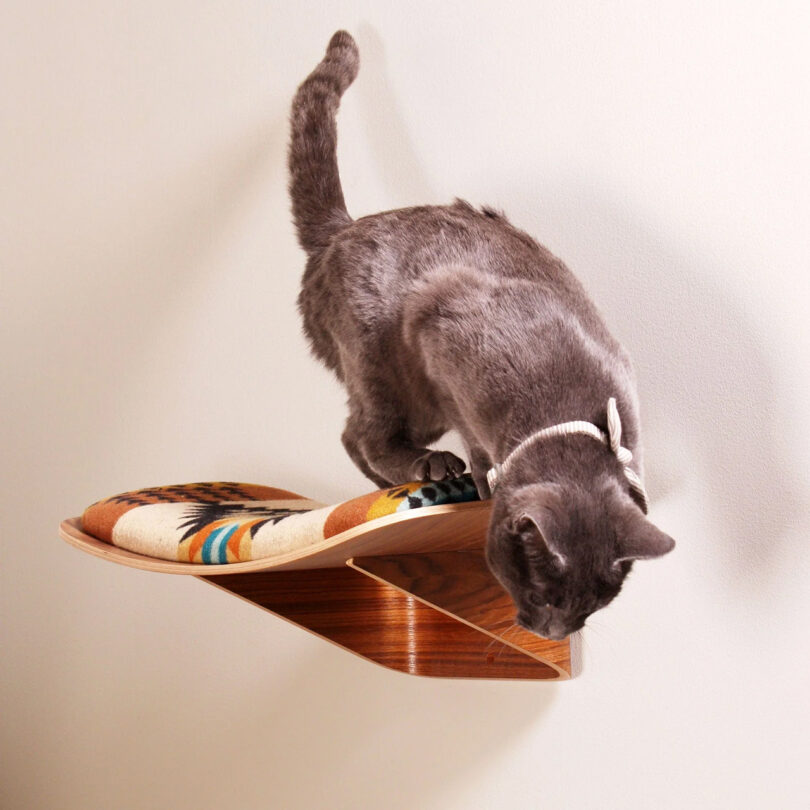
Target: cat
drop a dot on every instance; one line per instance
(448, 317)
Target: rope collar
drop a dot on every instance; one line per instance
(612, 439)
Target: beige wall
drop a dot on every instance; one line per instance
(149, 274)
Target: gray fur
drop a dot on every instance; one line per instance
(447, 317)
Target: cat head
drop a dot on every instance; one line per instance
(563, 553)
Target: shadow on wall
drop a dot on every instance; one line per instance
(331, 731)
(706, 382)
(393, 741)
(389, 143)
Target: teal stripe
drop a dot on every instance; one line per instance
(223, 543)
(214, 549)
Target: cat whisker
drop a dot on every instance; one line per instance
(510, 629)
(502, 639)
(601, 630)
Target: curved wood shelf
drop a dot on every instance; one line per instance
(410, 591)
(447, 527)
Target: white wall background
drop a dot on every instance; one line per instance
(149, 272)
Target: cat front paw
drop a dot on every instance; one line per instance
(437, 465)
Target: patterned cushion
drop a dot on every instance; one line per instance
(222, 522)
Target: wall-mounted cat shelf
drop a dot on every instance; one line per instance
(404, 587)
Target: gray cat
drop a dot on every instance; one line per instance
(446, 317)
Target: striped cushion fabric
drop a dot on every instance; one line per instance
(223, 522)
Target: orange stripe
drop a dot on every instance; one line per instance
(236, 538)
(349, 514)
(100, 518)
(199, 539)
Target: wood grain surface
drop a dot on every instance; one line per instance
(384, 624)
(460, 584)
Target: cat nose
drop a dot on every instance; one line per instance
(544, 625)
(556, 630)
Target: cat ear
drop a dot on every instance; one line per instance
(642, 541)
(528, 524)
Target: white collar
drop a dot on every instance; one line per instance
(613, 440)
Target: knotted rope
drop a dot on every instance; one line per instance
(613, 440)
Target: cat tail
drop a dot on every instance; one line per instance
(318, 208)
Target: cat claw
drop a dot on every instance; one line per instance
(437, 465)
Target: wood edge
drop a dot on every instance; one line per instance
(563, 674)
(70, 531)
(577, 656)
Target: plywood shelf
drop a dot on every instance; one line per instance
(409, 591)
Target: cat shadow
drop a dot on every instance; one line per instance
(710, 409)
(397, 162)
